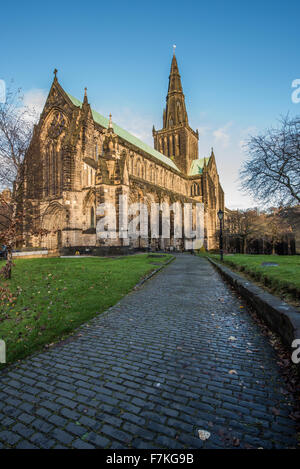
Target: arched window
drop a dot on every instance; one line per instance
(52, 169)
(171, 148)
(195, 189)
(132, 163)
(89, 177)
(92, 217)
(179, 114)
(138, 168)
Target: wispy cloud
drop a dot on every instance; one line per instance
(203, 130)
(222, 134)
(245, 134)
(138, 125)
(34, 101)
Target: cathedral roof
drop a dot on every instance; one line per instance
(103, 121)
(197, 166)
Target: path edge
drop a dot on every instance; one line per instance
(154, 272)
(278, 315)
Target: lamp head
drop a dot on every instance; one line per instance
(220, 215)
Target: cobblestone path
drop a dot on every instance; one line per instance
(151, 372)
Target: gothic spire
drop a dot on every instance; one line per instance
(174, 78)
(175, 109)
(176, 139)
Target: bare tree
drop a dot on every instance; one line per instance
(16, 127)
(274, 227)
(16, 130)
(291, 215)
(8, 231)
(242, 225)
(272, 172)
(269, 227)
(11, 233)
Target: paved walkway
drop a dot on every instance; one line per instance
(151, 372)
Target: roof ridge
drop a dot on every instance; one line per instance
(104, 121)
(197, 165)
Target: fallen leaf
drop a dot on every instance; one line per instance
(203, 435)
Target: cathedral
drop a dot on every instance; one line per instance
(79, 159)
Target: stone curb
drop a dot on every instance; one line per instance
(278, 315)
(138, 285)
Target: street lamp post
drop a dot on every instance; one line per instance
(221, 216)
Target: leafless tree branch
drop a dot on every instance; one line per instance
(272, 171)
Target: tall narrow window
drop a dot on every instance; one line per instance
(92, 217)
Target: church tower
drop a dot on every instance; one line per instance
(176, 139)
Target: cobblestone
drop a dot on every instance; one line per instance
(150, 372)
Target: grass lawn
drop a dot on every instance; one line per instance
(283, 280)
(54, 296)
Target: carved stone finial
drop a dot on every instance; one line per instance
(110, 126)
(85, 100)
(55, 72)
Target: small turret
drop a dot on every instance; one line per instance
(55, 74)
(85, 99)
(110, 124)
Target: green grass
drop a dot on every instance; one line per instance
(283, 280)
(54, 296)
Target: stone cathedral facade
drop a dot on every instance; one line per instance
(79, 159)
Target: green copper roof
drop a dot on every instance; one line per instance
(103, 121)
(197, 166)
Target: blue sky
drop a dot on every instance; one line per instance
(237, 61)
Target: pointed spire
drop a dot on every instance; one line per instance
(174, 78)
(85, 99)
(176, 139)
(110, 124)
(175, 110)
